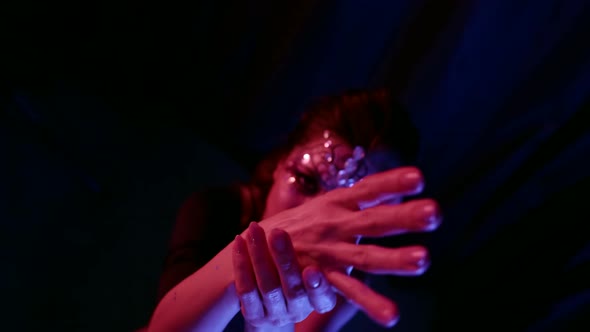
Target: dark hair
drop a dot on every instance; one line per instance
(367, 118)
(370, 119)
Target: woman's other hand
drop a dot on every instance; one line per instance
(324, 233)
(272, 288)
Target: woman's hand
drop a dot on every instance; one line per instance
(324, 233)
(273, 290)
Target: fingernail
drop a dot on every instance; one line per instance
(419, 258)
(313, 279)
(390, 316)
(430, 214)
(412, 180)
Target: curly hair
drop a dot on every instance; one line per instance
(367, 118)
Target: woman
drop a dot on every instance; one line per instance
(314, 209)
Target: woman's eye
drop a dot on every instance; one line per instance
(308, 185)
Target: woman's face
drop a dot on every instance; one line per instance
(317, 167)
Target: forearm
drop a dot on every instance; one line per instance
(205, 301)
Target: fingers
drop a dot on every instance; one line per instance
(319, 290)
(267, 278)
(245, 282)
(385, 220)
(377, 188)
(405, 261)
(286, 263)
(376, 306)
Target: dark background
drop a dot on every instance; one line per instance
(112, 112)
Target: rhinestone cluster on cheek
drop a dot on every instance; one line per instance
(323, 160)
(354, 167)
(350, 175)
